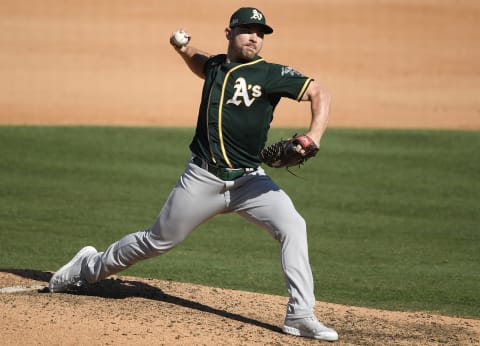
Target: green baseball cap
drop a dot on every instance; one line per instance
(249, 16)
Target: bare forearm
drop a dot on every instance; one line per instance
(320, 100)
(194, 58)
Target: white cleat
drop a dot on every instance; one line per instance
(68, 277)
(309, 327)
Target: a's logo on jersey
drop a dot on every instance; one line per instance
(256, 15)
(288, 71)
(246, 93)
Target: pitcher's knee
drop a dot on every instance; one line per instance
(294, 226)
(162, 239)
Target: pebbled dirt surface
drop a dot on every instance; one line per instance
(134, 311)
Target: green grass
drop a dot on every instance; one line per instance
(393, 216)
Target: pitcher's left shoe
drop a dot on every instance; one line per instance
(68, 277)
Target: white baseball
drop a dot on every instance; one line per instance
(180, 38)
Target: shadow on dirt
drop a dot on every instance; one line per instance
(121, 289)
(32, 274)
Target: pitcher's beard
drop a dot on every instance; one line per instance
(249, 53)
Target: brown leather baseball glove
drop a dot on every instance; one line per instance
(286, 153)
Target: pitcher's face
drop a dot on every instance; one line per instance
(245, 42)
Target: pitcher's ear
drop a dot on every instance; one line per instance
(228, 33)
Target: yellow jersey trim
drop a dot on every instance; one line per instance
(220, 108)
(304, 88)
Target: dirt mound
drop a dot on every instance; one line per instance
(128, 310)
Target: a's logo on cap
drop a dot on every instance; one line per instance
(256, 15)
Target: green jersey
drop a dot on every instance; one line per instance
(238, 101)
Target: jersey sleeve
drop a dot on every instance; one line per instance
(284, 81)
(212, 62)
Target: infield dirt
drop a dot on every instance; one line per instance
(387, 63)
(134, 311)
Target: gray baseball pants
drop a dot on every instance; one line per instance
(197, 197)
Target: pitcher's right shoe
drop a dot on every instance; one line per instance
(68, 277)
(309, 327)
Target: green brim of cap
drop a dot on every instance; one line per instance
(265, 28)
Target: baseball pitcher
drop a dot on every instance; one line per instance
(224, 173)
